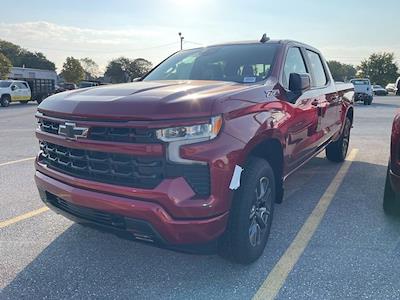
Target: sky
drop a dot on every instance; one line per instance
(347, 31)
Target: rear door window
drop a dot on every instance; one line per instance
(317, 68)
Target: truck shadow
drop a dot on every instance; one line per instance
(84, 263)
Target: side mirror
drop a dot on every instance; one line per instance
(299, 83)
(13, 88)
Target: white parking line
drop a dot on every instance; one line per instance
(277, 277)
(16, 161)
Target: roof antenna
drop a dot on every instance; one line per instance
(264, 38)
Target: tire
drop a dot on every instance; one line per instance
(337, 151)
(5, 100)
(250, 217)
(391, 200)
(39, 99)
(365, 102)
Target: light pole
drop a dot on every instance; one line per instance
(181, 38)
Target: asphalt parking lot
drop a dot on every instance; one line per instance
(353, 253)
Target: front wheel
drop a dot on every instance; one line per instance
(337, 151)
(251, 214)
(5, 100)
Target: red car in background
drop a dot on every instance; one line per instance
(391, 199)
(197, 151)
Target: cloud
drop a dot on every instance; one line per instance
(59, 41)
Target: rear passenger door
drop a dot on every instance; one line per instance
(325, 94)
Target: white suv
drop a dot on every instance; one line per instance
(14, 90)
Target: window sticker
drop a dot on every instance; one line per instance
(249, 79)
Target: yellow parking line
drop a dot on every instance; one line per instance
(277, 277)
(19, 218)
(16, 161)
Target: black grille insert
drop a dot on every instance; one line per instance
(48, 126)
(123, 135)
(109, 134)
(122, 169)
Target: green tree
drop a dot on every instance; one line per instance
(91, 68)
(340, 71)
(5, 66)
(20, 57)
(124, 69)
(139, 67)
(380, 68)
(116, 70)
(72, 70)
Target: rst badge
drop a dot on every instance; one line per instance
(71, 131)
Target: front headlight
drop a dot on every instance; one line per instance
(206, 131)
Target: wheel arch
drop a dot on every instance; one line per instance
(6, 94)
(272, 150)
(350, 114)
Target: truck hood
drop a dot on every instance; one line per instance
(146, 100)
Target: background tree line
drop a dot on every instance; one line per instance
(380, 68)
(74, 70)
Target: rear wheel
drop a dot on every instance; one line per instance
(337, 151)
(251, 214)
(391, 200)
(5, 100)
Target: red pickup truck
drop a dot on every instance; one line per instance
(391, 198)
(196, 152)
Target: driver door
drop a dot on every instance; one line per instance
(303, 127)
(14, 92)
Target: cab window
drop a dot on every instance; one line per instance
(294, 64)
(319, 75)
(21, 85)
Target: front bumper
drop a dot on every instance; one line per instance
(145, 220)
(362, 97)
(172, 209)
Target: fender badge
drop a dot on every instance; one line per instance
(271, 93)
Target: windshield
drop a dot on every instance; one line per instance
(246, 63)
(360, 82)
(4, 84)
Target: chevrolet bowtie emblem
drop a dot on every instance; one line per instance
(70, 131)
